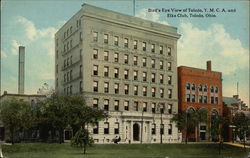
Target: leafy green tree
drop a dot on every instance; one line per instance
(198, 116)
(242, 126)
(184, 121)
(16, 116)
(82, 139)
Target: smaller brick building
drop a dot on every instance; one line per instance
(200, 89)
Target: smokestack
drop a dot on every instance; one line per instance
(21, 70)
(209, 65)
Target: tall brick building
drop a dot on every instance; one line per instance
(200, 89)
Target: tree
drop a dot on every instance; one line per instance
(184, 121)
(217, 130)
(16, 116)
(242, 126)
(199, 116)
(82, 139)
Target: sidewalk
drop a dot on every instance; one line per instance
(237, 145)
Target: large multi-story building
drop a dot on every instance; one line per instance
(124, 65)
(200, 89)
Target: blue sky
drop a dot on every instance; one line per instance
(224, 39)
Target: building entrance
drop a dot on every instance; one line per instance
(136, 132)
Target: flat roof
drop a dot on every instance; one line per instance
(200, 69)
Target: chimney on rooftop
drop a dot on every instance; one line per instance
(21, 70)
(209, 65)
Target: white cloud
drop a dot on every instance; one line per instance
(3, 54)
(30, 29)
(14, 47)
(214, 43)
(152, 16)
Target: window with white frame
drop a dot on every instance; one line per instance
(106, 38)
(125, 74)
(144, 106)
(116, 87)
(126, 88)
(116, 57)
(144, 91)
(106, 87)
(126, 105)
(95, 103)
(95, 86)
(116, 72)
(106, 71)
(106, 55)
(95, 36)
(95, 70)
(135, 90)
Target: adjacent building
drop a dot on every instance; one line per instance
(200, 89)
(124, 65)
(33, 99)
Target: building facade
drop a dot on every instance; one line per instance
(124, 65)
(200, 89)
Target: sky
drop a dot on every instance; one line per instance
(223, 39)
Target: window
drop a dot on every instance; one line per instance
(188, 86)
(125, 42)
(135, 44)
(170, 129)
(193, 98)
(106, 38)
(106, 104)
(161, 64)
(153, 129)
(136, 106)
(212, 100)
(126, 105)
(135, 60)
(71, 44)
(70, 89)
(116, 40)
(170, 106)
(95, 36)
(216, 100)
(95, 54)
(70, 75)
(169, 93)
(80, 70)
(116, 57)
(153, 77)
(188, 98)
(106, 128)
(205, 88)
(212, 89)
(153, 106)
(161, 49)
(216, 89)
(135, 90)
(65, 78)
(67, 46)
(144, 90)
(153, 48)
(116, 87)
(95, 103)
(162, 92)
(80, 87)
(144, 106)
(161, 78)
(169, 80)
(144, 62)
(144, 45)
(153, 92)
(116, 72)
(135, 75)
(56, 68)
(169, 66)
(200, 87)
(95, 70)
(200, 98)
(106, 71)
(116, 128)
(125, 74)
(144, 76)
(95, 128)
(106, 87)
(162, 129)
(205, 99)
(193, 87)
(116, 105)
(169, 51)
(153, 63)
(125, 59)
(80, 36)
(80, 54)
(126, 88)
(106, 55)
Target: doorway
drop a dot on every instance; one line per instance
(136, 132)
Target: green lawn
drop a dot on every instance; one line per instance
(46, 150)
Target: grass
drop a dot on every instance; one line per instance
(52, 150)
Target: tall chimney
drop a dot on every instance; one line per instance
(21, 70)
(209, 65)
